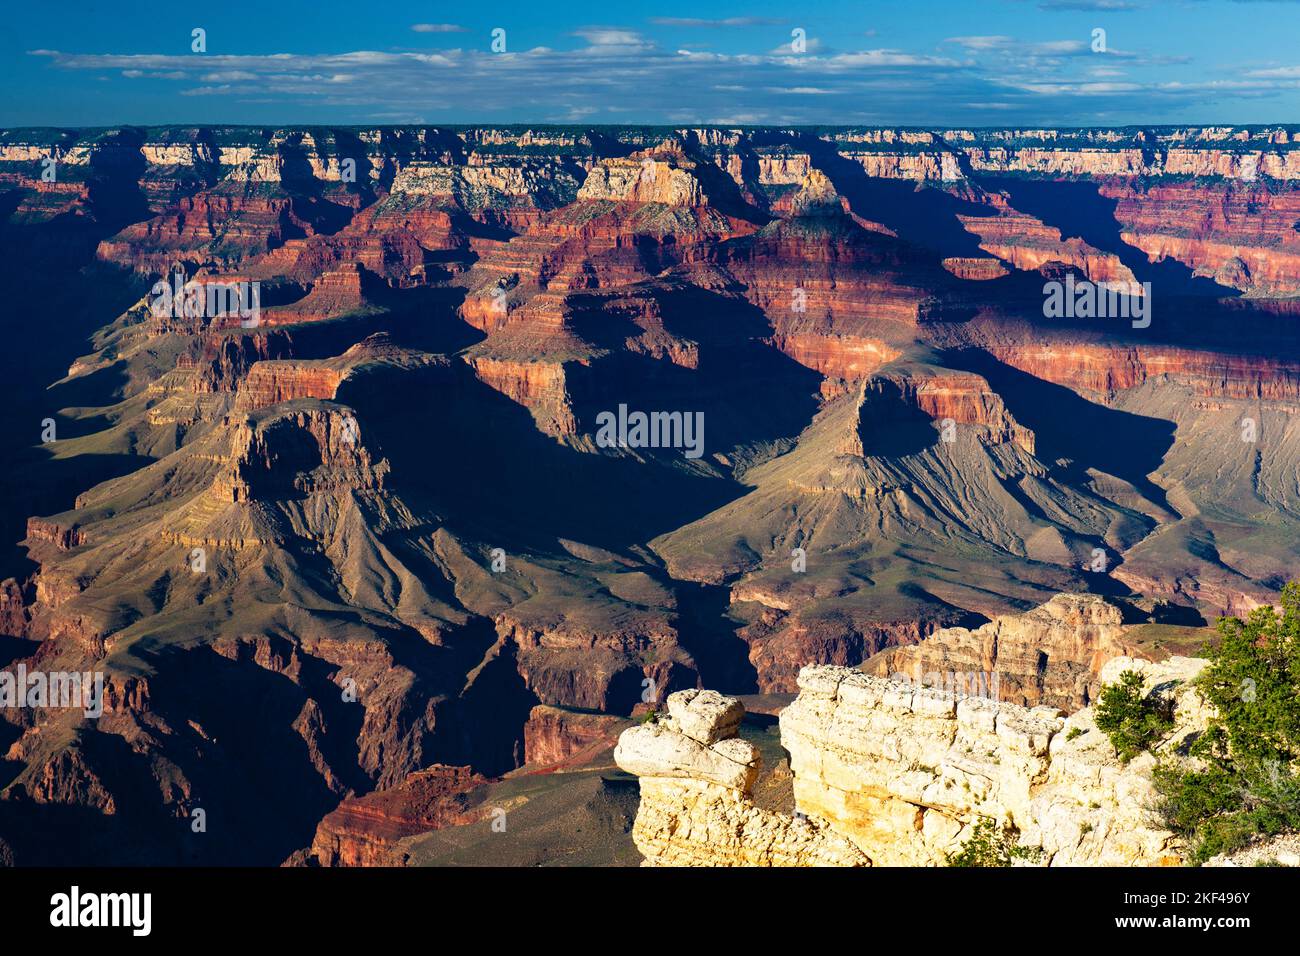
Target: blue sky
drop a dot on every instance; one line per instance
(872, 62)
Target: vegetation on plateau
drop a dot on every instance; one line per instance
(1240, 784)
(1133, 722)
(991, 845)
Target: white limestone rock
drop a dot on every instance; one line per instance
(656, 750)
(704, 715)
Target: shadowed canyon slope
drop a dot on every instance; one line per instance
(348, 558)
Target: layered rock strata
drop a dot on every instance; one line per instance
(904, 775)
(1051, 655)
(697, 805)
(364, 831)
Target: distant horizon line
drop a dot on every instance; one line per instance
(527, 125)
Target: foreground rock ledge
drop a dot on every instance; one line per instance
(889, 774)
(696, 804)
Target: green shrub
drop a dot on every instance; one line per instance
(1253, 681)
(1223, 807)
(991, 845)
(1247, 788)
(1133, 722)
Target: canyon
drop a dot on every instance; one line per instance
(359, 573)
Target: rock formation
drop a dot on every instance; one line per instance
(1051, 655)
(364, 831)
(696, 806)
(904, 775)
(554, 735)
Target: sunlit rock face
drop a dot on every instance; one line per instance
(905, 772)
(696, 781)
(894, 775)
(1051, 655)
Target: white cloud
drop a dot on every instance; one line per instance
(611, 36)
(1100, 6)
(714, 24)
(1280, 72)
(227, 76)
(1005, 44)
(618, 69)
(870, 58)
(996, 42)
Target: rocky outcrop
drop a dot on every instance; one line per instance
(308, 449)
(975, 268)
(363, 831)
(1051, 655)
(335, 293)
(231, 223)
(554, 735)
(1105, 369)
(13, 609)
(781, 643)
(644, 179)
(1025, 242)
(966, 400)
(1239, 234)
(843, 357)
(272, 382)
(62, 537)
(1224, 152)
(572, 663)
(1283, 850)
(905, 774)
(539, 386)
(696, 794)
